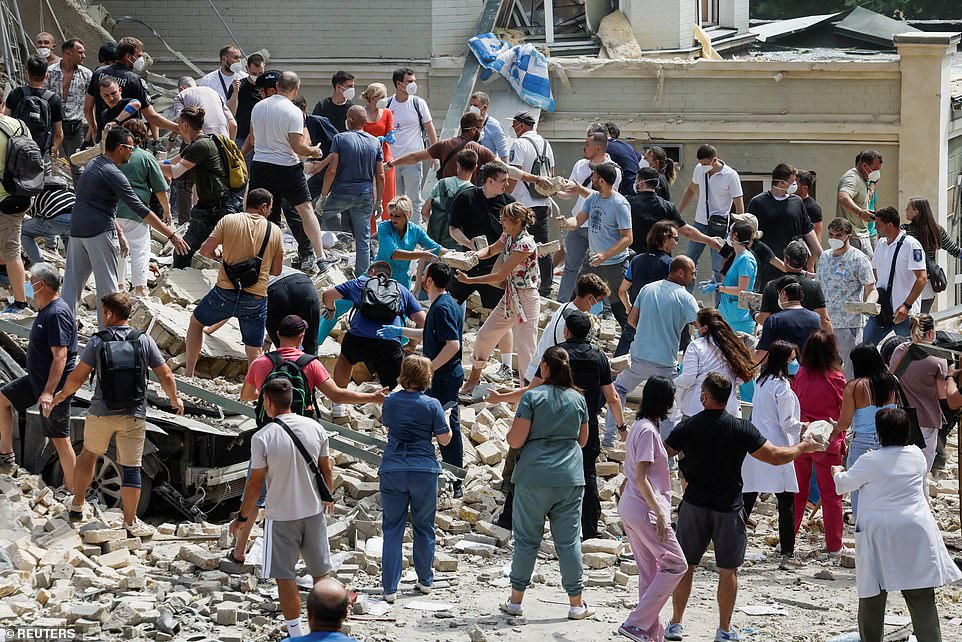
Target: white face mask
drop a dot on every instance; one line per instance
(781, 304)
(139, 64)
(349, 93)
(237, 67)
(836, 244)
(412, 88)
(381, 104)
(474, 109)
(874, 176)
(43, 52)
(792, 188)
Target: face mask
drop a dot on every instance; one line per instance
(349, 93)
(792, 188)
(793, 367)
(412, 88)
(474, 109)
(237, 67)
(381, 104)
(836, 244)
(139, 64)
(874, 176)
(781, 304)
(43, 52)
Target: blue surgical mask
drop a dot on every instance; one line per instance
(793, 367)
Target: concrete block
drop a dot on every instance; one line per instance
(490, 453)
(628, 568)
(600, 560)
(607, 468)
(609, 546)
(116, 559)
(449, 524)
(226, 614)
(445, 563)
(502, 535)
(200, 557)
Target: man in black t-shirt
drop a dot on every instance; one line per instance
(48, 136)
(796, 258)
(647, 208)
(806, 181)
(715, 444)
(477, 212)
(782, 218)
(248, 95)
(335, 107)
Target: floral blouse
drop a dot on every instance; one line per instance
(525, 275)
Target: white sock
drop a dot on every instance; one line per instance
(294, 628)
(506, 358)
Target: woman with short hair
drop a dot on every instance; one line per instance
(408, 476)
(380, 124)
(398, 239)
(898, 545)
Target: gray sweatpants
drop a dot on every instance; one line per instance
(97, 254)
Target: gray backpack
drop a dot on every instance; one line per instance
(23, 171)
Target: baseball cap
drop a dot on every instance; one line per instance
(751, 219)
(607, 171)
(268, 79)
(524, 118)
(291, 326)
(578, 324)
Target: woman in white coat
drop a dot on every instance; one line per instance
(717, 349)
(776, 414)
(898, 546)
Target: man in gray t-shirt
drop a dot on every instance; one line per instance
(107, 418)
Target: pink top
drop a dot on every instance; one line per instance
(261, 367)
(644, 444)
(819, 395)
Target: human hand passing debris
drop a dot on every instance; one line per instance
(380, 395)
(177, 406)
(180, 245)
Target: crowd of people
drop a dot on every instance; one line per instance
(810, 352)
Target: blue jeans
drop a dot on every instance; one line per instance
(445, 389)
(47, 229)
(874, 333)
(408, 181)
(418, 492)
(862, 443)
(251, 313)
(576, 246)
(359, 208)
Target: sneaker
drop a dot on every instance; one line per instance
(458, 490)
(74, 513)
(608, 443)
(580, 612)
(139, 529)
(512, 609)
(721, 635)
(17, 307)
(633, 633)
(8, 463)
(845, 550)
(791, 563)
(306, 262)
(504, 374)
(422, 588)
(674, 631)
(390, 597)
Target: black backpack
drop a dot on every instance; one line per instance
(381, 299)
(34, 110)
(23, 172)
(303, 402)
(540, 167)
(122, 370)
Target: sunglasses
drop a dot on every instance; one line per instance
(126, 146)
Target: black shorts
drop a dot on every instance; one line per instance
(21, 396)
(285, 183)
(294, 294)
(490, 295)
(382, 357)
(698, 526)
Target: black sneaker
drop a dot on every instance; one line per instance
(16, 307)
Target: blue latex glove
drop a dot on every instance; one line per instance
(389, 332)
(708, 286)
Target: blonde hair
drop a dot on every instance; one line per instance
(416, 373)
(402, 204)
(374, 91)
(518, 212)
(920, 325)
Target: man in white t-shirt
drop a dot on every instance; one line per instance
(225, 80)
(576, 241)
(724, 190)
(412, 124)
(527, 150)
(218, 119)
(294, 525)
(907, 281)
(277, 136)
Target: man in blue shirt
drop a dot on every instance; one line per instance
(625, 156)
(492, 134)
(442, 338)
(382, 356)
(327, 608)
(354, 182)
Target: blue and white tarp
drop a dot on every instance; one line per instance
(523, 66)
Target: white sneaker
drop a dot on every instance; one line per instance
(423, 588)
(580, 612)
(512, 609)
(139, 529)
(390, 597)
(504, 374)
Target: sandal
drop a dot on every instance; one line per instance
(8, 463)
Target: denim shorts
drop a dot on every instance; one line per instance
(250, 310)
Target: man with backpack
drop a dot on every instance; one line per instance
(252, 250)
(437, 209)
(413, 126)
(532, 153)
(120, 356)
(379, 301)
(39, 108)
(305, 374)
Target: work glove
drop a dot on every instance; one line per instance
(708, 286)
(389, 332)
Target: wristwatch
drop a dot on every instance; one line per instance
(622, 427)
(240, 518)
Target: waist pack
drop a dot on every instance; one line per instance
(234, 163)
(122, 370)
(247, 273)
(886, 315)
(381, 299)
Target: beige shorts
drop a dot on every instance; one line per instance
(10, 236)
(130, 433)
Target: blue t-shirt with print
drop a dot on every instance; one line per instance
(412, 419)
(606, 218)
(364, 327)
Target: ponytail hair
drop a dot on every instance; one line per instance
(920, 325)
(559, 368)
(665, 164)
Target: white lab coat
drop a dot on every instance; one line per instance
(898, 546)
(776, 414)
(703, 357)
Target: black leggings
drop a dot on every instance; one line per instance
(786, 518)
